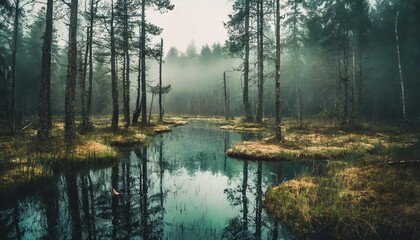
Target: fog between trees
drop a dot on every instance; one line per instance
(338, 58)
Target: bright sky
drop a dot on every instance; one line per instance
(200, 21)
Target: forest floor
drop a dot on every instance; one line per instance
(25, 161)
(369, 186)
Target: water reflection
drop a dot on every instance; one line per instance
(182, 187)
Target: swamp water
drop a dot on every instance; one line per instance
(182, 186)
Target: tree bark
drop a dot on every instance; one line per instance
(399, 68)
(45, 82)
(90, 76)
(260, 106)
(279, 135)
(353, 89)
(226, 96)
(137, 111)
(83, 71)
(247, 106)
(151, 104)
(143, 64)
(127, 69)
(115, 107)
(14, 51)
(71, 74)
(160, 82)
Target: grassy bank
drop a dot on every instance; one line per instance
(24, 160)
(373, 198)
(321, 140)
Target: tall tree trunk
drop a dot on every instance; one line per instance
(143, 63)
(14, 51)
(299, 114)
(353, 89)
(226, 96)
(160, 81)
(260, 106)
(279, 135)
(137, 110)
(126, 89)
(83, 70)
(45, 83)
(90, 76)
(360, 84)
(247, 106)
(346, 79)
(399, 68)
(71, 74)
(115, 107)
(150, 110)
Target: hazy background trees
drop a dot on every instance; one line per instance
(339, 60)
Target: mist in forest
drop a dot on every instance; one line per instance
(317, 61)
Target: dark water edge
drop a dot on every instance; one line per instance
(180, 187)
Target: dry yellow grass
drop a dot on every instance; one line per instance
(22, 157)
(356, 200)
(323, 141)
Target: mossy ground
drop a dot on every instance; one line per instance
(321, 140)
(368, 198)
(238, 125)
(24, 160)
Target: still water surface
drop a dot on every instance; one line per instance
(180, 187)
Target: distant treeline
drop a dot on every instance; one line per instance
(342, 59)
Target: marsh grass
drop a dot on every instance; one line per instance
(357, 201)
(326, 140)
(25, 160)
(357, 194)
(364, 199)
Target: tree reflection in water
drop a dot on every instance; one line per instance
(181, 187)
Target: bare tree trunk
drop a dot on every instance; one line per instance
(127, 70)
(353, 89)
(151, 104)
(137, 111)
(226, 96)
(360, 84)
(247, 106)
(143, 63)
(90, 76)
(83, 70)
(71, 74)
(279, 135)
(299, 114)
(399, 67)
(346, 79)
(115, 107)
(45, 83)
(260, 106)
(160, 82)
(14, 50)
